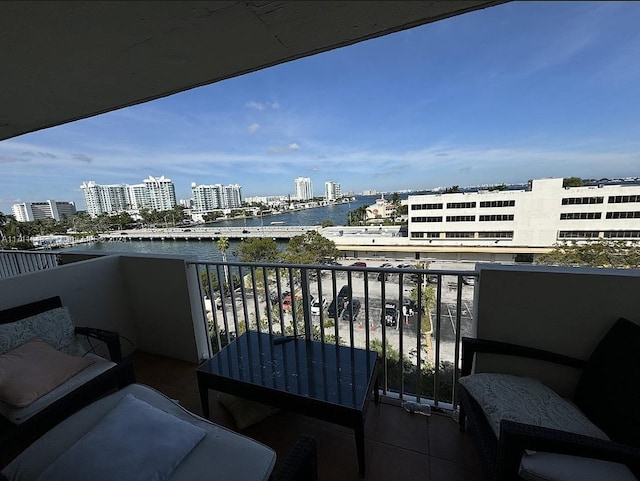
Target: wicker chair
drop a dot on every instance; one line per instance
(613, 368)
(16, 434)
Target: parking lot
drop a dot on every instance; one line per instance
(368, 320)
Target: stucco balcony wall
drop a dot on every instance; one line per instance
(564, 310)
(152, 301)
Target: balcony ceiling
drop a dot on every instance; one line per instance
(64, 61)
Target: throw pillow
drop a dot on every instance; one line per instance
(245, 413)
(33, 369)
(54, 327)
(135, 441)
(612, 376)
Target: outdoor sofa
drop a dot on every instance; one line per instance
(139, 434)
(524, 430)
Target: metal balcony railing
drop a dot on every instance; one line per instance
(413, 317)
(13, 263)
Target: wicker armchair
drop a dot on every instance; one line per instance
(504, 454)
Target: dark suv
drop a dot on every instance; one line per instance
(351, 308)
(338, 304)
(390, 313)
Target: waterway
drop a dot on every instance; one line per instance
(207, 250)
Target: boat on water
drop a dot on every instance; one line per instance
(277, 222)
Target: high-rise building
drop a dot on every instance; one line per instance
(157, 193)
(216, 196)
(332, 190)
(304, 188)
(162, 193)
(49, 209)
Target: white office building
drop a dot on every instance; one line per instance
(48, 209)
(156, 193)
(216, 197)
(304, 188)
(332, 191)
(540, 216)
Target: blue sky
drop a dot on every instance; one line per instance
(519, 91)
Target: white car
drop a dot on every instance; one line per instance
(317, 306)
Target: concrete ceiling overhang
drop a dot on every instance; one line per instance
(64, 61)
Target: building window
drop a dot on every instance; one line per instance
(428, 235)
(583, 200)
(580, 215)
(426, 206)
(460, 205)
(497, 217)
(461, 218)
(623, 215)
(622, 234)
(503, 234)
(426, 219)
(577, 234)
(622, 199)
(498, 203)
(524, 258)
(459, 235)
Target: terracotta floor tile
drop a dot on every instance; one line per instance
(398, 446)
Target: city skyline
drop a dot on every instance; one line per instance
(515, 92)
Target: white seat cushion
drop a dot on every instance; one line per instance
(221, 455)
(560, 467)
(528, 401)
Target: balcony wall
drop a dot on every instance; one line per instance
(153, 301)
(564, 310)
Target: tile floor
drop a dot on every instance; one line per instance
(398, 445)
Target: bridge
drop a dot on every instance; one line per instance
(210, 233)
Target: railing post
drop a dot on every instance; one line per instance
(306, 303)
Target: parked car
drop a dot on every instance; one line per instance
(469, 280)
(404, 266)
(337, 305)
(386, 266)
(351, 310)
(359, 264)
(390, 313)
(318, 305)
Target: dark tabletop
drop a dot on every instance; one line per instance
(334, 374)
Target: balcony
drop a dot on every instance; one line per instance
(158, 304)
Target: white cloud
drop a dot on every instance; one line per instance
(262, 105)
(283, 149)
(253, 128)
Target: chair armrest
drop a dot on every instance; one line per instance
(516, 437)
(110, 338)
(301, 464)
(471, 346)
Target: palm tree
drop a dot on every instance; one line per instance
(223, 245)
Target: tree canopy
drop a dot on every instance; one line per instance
(259, 249)
(572, 182)
(598, 253)
(454, 189)
(310, 248)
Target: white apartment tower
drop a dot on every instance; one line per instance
(304, 188)
(212, 197)
(157, 193)
(49, 209)
(332, 190)
(162, 193)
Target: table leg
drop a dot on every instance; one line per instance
(359, 432)
(204, 399)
